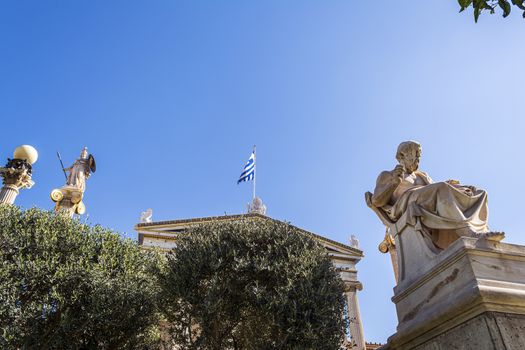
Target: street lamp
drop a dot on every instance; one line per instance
(17, 173)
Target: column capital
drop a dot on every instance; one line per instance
(352, 286)
(17, 172)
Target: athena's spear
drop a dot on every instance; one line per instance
(62, 164)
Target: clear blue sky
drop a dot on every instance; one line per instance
(170, 96)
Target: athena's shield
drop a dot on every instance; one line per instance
(92, 164)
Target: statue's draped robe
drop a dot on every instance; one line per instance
(439, 205)
(78, 173)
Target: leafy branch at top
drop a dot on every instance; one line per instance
(491, 6)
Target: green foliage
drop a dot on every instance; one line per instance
(66, 285)
(252, 284)
(491, 5)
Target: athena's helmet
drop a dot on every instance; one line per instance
(84, 153)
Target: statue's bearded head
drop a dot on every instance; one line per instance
(408, 155)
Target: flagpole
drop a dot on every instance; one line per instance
(254, 170)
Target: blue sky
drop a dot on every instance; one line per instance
(170, 96)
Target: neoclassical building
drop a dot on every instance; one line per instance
(163, 235)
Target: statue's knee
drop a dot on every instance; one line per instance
(442, 186)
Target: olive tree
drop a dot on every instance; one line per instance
(253, 283)
(67, 285)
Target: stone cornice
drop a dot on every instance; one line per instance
(182, 222)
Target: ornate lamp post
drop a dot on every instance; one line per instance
(17, 173)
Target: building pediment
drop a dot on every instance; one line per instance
(166, 231)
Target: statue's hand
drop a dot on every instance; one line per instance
(399, 173)
(469, 190)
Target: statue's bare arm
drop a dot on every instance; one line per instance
(386, 184)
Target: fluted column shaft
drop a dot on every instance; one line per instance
(354, 316)
(8, 194)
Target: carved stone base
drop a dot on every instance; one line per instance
(469, 290)
(490, 330)
(68, 199)
(487, 331)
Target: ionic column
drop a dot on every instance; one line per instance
(354, 316)
(68, 200)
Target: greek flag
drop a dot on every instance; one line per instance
(248, 172)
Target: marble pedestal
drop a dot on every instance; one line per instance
(470, 296)
(68, 199)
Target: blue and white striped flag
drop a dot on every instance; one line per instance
(248, 172)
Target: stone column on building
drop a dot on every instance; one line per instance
(354, 315)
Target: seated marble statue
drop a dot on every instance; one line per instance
(443, 210)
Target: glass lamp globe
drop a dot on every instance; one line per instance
(26, 152)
